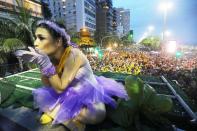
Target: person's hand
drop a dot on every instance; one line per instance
(35, 56)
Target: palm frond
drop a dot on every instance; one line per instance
(25, 36)
(12, 44)
(7, 27)
(24, 14)
(16, 33)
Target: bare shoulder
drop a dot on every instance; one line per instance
(76, 57)
(77, 53)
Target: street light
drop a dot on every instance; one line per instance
(151, 28)
(165, 6)
(115, 45)
(167, 33)
(171, 46)
(109, 48)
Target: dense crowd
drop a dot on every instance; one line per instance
(183, 69)
(145, 63)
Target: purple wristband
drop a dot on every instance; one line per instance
(48, 71)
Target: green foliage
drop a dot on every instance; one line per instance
(148, 92)
(75, 40)
(127, 39)
(74, 36)
(124, 114)
(8, 28)
(114, 39)
(6, 89)
(134, 89)
(152, 42)
(12, 44)
(24, 23)
(144, 101)
(109, 41)
(106, 38)
(97, 36)
(17, 31)
(130, 38)
(24, 13)
(159, 103)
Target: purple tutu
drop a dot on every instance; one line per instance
(80, 93)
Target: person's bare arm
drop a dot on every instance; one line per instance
(74, 62)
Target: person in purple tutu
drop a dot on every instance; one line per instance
(72, 95)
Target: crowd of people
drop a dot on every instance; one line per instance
(144, 63)
(183, 69)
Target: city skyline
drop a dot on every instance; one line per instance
(76, 14)
(181, 19)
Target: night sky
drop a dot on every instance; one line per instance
(182, 18)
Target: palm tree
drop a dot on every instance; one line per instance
(16, 33)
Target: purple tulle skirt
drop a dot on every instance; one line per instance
(80, 93)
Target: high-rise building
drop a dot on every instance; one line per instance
(105, 16)
(77, 14)
(9, 8)
(126, 21)
(56, 8)
(114, 25)
(123, 21)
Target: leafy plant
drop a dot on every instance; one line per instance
(152, 42)
(16, 31)
(143, 111)
(12, 44)
(127, 39)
